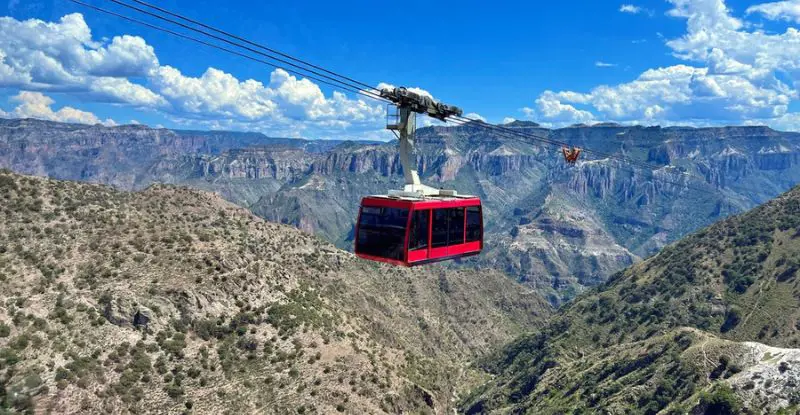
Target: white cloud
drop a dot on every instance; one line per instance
(786, 122)
(779, 10)
(671, 93)
(601, 64)
(733, 75)
(63, 56)
(123, 90)
(629, 8)
(475, 116)
(632, 9)
(508, 120)
(714, 36)
(38, 105)
(550, 106)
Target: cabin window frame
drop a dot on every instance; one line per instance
(391, 240)
(477, 228)
(418, 228)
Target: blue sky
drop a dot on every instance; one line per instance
(694, 62)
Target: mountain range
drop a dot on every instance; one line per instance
(554, 227)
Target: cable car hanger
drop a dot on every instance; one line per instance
(418, 224)
(404, 122)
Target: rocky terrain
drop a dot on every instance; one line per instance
(711, 324)
(171, 300)
(557, 228)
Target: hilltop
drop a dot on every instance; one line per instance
(714, 317)
(170, 300)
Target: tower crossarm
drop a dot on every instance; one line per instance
(421, 104)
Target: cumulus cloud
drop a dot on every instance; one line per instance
(508, 120)
(786, 122)
(63, 56)
(629, 8)
(550, 106)
(38, 105)
(779, 10)
(731, 75)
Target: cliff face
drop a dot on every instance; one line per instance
(253, 164)
(132, 156)
(555, 226)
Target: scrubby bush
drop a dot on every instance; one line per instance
(720, 401)
(732, 319)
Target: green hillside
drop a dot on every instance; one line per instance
(661, 334)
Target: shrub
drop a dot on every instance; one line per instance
(721, 401)
(732, 319)
(783, 367)
(174, 391)
(20, 342)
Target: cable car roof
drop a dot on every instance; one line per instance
(428, 202)
(428, 198)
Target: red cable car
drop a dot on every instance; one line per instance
(419, 224)
(409, 231)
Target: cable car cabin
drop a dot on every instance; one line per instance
(411, 231)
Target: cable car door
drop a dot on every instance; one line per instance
(419, 235)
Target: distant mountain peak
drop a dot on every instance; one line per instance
(522, 124)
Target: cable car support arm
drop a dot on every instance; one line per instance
(409, 104)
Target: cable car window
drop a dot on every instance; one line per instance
(439, 234)
(456, 226)
(474, 224)
(382, 232)
(419, 230)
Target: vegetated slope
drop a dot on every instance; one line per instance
(171, 299)
(672, 333)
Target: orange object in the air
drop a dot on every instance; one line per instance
(571, 155)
